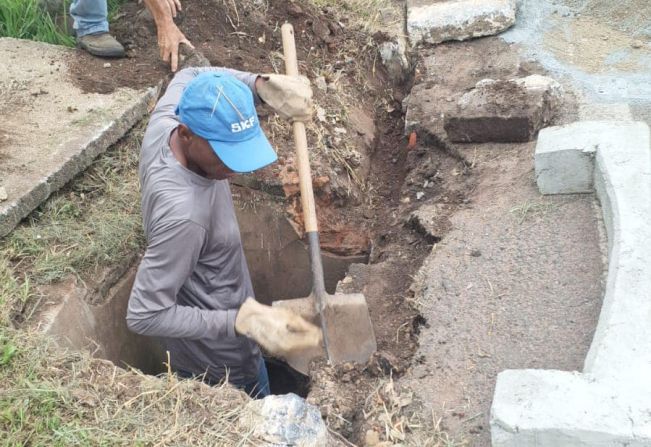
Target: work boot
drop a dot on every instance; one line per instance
(101, 44)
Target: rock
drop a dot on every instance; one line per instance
(372, 438)
(191, 57)
(3, 194)
(363, 125)
(321, 83)
(285, 420)
(504, 111)
(434, 22)
(426, 221)
(637, 44)
(394, 57)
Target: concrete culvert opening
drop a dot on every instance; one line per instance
(279, 266)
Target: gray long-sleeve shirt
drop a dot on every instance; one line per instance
(193, 277)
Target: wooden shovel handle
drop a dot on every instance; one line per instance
(300, 140)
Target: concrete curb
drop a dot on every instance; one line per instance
(609, 404)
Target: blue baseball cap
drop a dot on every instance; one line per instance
(220, 109)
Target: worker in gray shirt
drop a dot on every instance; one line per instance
(192, 288)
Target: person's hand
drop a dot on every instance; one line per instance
(174, 6)
(279, 331)
(289, 96)
(170, 38)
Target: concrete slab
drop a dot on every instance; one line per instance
(610, 403)
(50, 130)
(437, 21)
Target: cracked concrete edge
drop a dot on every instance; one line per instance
(55, 180)
(436, 22)
(609, 404)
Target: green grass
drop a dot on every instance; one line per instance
(27, 19)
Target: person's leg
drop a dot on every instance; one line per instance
(90, 17)
(91, 27)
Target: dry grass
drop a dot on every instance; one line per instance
(397, 418)
(528, 209)
(369, 15)
(50, 397)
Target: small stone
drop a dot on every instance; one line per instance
(637, 44)
(321, 114)
(285, 420)
(419, 195)
(372, 438)
(107, 64)
(3, 194)
(321, 83)
(475, 253)
(405, 200)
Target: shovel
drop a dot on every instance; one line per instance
(344, 318)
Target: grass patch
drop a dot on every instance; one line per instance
(26, 19)
(51, 397)
(528, 209)
(369, 15)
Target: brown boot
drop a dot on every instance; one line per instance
(101, 44)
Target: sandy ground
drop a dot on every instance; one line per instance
(518, 281)
(505, 289)
(603, 47)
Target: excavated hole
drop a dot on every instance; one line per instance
(279, 266)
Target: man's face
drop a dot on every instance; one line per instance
(204, 158)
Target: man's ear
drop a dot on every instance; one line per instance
(184, 133)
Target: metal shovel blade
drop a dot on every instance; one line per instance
(350, 336)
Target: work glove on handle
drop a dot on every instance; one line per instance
(278, 331)
(289, 96)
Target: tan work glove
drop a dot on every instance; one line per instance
(289, 96)
(278, 331)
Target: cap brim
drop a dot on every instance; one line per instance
(245, 156)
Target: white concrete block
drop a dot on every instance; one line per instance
(609, 404)
(567, 409)
(437, 21)
(564, 160)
